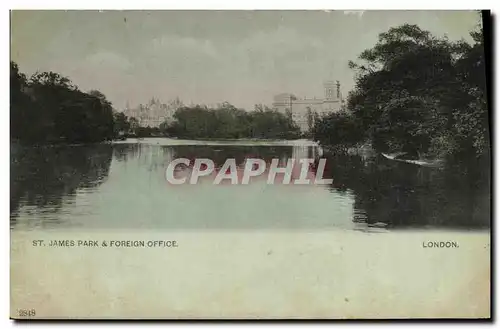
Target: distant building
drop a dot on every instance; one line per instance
(154, 113)
(303, 110)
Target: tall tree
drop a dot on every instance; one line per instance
(417, 93)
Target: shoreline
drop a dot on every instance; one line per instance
(178, 141)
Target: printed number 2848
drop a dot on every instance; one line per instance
(26, 312)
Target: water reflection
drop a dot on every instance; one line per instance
(44, 180)
(405, 195)
(123, 186)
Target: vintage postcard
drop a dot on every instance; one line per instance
(320, 164)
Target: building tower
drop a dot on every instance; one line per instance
(329, 87)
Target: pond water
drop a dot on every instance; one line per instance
(123, 185)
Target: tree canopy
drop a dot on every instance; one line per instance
(228, 122)
(48, 108)
(416, 93)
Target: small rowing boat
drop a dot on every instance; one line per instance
(419, 162)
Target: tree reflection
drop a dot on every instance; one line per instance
(122, 152)
(220, 153)
(44, 176)
(407, 195)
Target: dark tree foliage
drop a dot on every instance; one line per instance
(415, 93)
(48, 108)
(229, 122)
(121, 124)
(339, 126)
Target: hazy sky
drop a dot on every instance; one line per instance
(244, 57)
